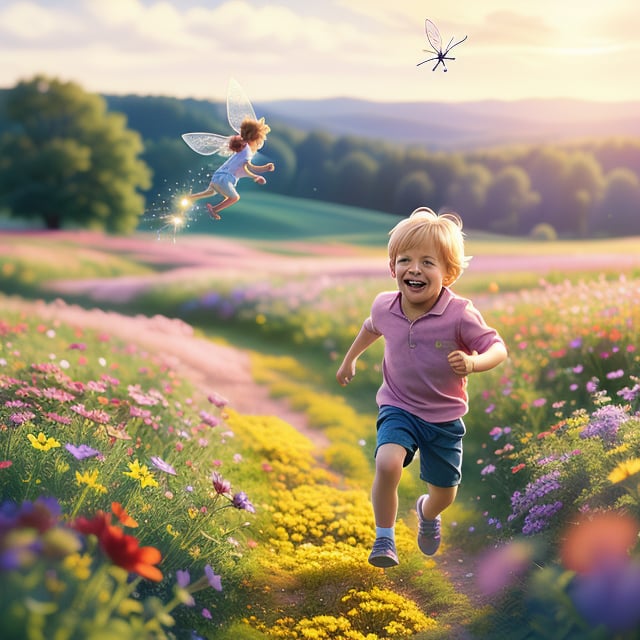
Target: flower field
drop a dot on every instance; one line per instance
(138, 503)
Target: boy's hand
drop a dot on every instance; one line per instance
(270, 166)
(462, 363)
(345, 373)
(260, 180)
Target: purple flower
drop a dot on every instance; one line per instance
(241, 501)
(213, 579)
(522, 503)
(609, 596)
(159, 463)
(21, 417)
(183, 578)
(217, 400)
(490, 468)
(82, 451)
(613, 375)
(538, 517)
(629, 395)
(221, 485)
(209, 419)
(604, 424)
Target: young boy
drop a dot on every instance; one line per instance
(433, 340)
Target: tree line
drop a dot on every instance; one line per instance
(67, 156)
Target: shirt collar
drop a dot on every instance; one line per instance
(437, 310)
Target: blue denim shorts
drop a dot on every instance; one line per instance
(439, 443)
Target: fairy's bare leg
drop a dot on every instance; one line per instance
(207, 193)
(227, 202)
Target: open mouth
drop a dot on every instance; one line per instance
(415, 284)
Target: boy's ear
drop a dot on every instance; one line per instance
(392, 268)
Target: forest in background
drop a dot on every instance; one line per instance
(584, 188)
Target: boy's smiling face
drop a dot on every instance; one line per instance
(419, 274)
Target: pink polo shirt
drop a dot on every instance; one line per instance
(416, 375)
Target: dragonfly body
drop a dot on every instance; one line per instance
(435, 42)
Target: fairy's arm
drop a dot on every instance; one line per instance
(261, 168)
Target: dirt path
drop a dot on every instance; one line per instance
(209, 366)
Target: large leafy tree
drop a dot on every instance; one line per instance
(66, 160)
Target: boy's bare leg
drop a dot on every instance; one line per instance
(384, 493)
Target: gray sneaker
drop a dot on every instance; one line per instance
(428, 531)
(384, 553)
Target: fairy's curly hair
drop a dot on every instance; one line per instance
(250, 130)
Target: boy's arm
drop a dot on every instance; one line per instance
(463, 364)
(362, 342)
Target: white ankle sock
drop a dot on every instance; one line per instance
(385, 532)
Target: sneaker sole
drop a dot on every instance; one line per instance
(383, 562)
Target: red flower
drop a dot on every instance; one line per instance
(125, 551)
(95, 526)
(518, 467)
(120, 513)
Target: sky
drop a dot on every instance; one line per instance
(300, 49)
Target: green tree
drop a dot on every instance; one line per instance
(509, 199)
(66, 161)
(415, 190)
(618, 212)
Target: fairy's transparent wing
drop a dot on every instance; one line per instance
(433, 35)
(206, 144)
(238, 105)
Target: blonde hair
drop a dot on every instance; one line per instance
(443, 231)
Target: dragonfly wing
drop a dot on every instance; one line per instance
(239, 106)
(433, 35)
(206, 144)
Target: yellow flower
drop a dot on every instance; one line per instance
(90, 478)
(79, 565)
(141, 472)
(624, 470)
(42, 442)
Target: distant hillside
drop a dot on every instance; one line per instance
(466, 125)
(262, 215)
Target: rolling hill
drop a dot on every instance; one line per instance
(460, 126)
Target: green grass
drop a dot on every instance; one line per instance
(266, 216)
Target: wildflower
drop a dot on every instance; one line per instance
(160, 464)
(82, 451)
(217, 400)
(141, 472)
(21, 417)
(518, 467)
(209, 419)
(604, 423)
(125, 551)
(213, 579)
(490, 468)
(608, 597)
(42, 442)
(597, 541)
(79, 565)
(538, 517)
(499, 568)
(119, 512)
(629, 395)
(522, 502)
(624, 470)
(220, 485)
(5, 464)
(90, 478)
(241, 501)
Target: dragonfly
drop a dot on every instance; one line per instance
(435, 40)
